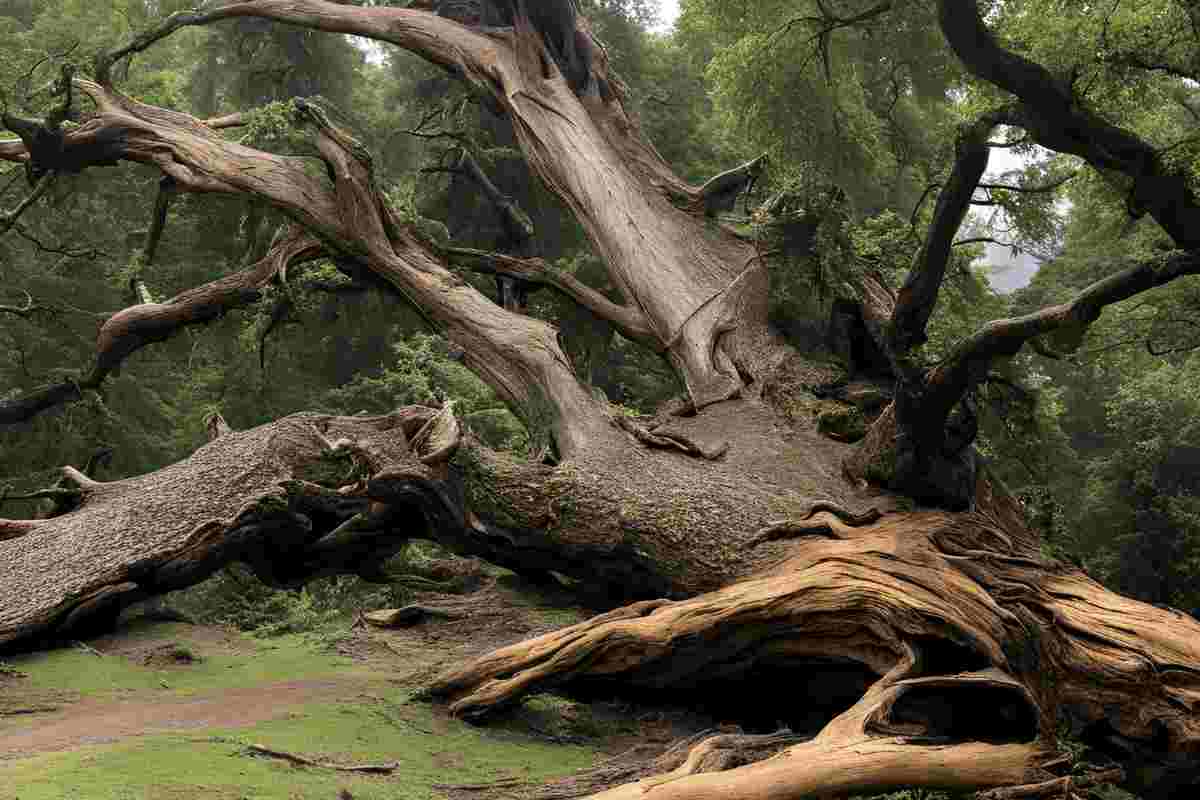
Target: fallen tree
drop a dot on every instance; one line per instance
(885, 597)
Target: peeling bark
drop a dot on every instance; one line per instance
(251, 497)
(517, 355)
(705, 297)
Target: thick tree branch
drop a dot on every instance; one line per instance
(920, 446)
(351, 219)
(969, 362)
(1060, 121)
(917, 298)
(591, 154)
(435, 38)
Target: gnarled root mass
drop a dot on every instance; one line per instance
(927, 649)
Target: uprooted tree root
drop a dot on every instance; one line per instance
(708, 751)
(902, 648)
(961, 651)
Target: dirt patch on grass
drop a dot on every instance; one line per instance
(141, 638)
(92, 721)
(18, 699)
(385, 668)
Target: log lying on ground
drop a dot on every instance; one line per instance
(304, 761)
(312, 495)
(268, 497)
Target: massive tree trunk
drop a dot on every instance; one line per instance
(732, 552)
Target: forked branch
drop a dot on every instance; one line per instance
(1059, 120)
(127, 331)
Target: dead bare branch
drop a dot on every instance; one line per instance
(302, 761)
(9, 219)
(629, 322)
(135, 327)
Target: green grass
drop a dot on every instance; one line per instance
(374, 724)
(430, 749)
(73, 669)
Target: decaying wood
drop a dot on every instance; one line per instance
(302, 761)
(244, 496)
(409, 615)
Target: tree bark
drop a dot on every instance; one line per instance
(702, 290)
(970, 649)
(955, 651)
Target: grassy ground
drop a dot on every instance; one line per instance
(213, 763)
(158, 711)
(241, 661)
(167, 710)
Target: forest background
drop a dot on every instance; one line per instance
(1102, 447)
